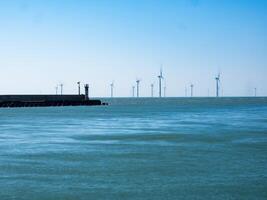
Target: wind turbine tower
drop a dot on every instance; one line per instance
(133, 89)
(217, 84)
(192, 87)
(255, 92)
(137, 87)
(61, 88)
(160, 78)
(152, 90)
(56, 89)
(164, 92)
(111, 89)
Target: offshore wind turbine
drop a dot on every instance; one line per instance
(56, 89)
(164, 89)
(192, 87)
(217, 79)
(133, 89)
(160, 78)
(185, 91)
(137, 87)
(61, 88)
(152, 90)
(111, 89)
(255, 92)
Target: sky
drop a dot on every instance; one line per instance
(47, 42)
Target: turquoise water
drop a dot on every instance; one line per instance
(170, 148)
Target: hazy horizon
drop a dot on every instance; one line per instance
(45, 43)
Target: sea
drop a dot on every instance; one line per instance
(136, 148)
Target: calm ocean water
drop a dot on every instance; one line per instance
(169, 148)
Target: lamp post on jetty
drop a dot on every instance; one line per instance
(79, 87)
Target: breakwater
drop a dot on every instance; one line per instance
(46, 100)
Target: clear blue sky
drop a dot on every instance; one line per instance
(43, 43)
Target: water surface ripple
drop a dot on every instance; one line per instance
(169, 148)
